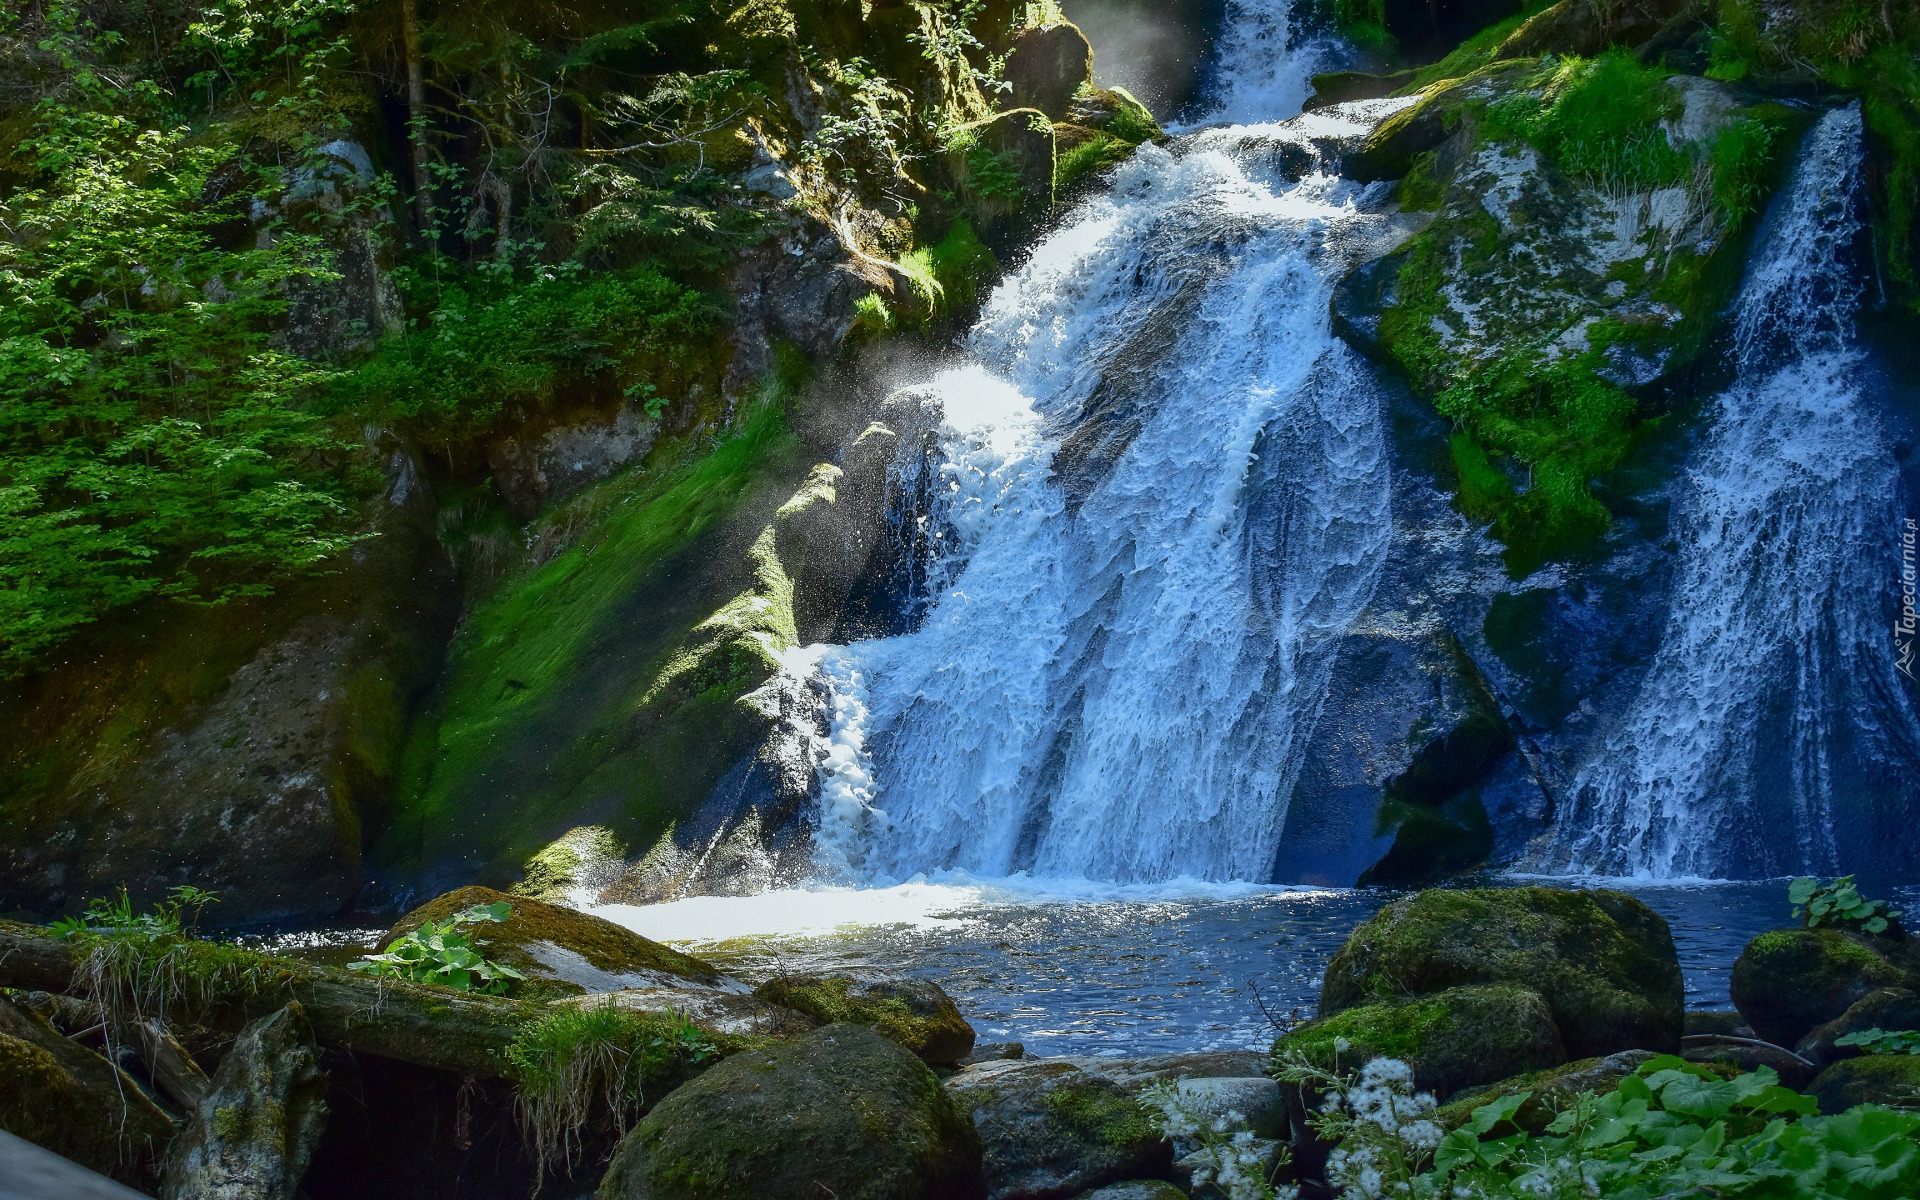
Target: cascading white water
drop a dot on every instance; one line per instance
(1774, 681)
(1161, 491)
(1263, 67)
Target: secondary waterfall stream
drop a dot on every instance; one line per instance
(1753, 746)
(1158, 491)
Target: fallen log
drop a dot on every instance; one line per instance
(225, 987)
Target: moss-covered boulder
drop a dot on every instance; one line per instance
(718, 1012)
(70, 1100)
(1603, 962)
(1553, 1090)
(564, 952)
(1004, 166)
(1054, 1127)
(1458, 1038)
(1787, 981)
(914, 1012)
(841, 1112)
(1882, 1008)
(254, 1132)
(1586, 27)
(1889, 1079)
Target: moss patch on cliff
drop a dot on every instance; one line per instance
(547, 679)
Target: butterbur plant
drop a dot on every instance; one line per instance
(1883, 1041)
(1838, 903)
(1242, 1168)
(437, 953)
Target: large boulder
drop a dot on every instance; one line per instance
(840, 1112)
(1004, 168)
(1889, 1079)
(564, 952)
(1459, 1038)
(914, 1012)
(1603, 962)
(1788, 981)
(1047, 66)
(1586, 27)
(64, 1097)
(254, 1133)
(1057, 1126)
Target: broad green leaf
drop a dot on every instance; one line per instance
(1488, 1115)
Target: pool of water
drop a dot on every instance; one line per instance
(1098, 970)
(1078, 968)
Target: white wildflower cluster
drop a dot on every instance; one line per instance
(1383, 1127)
(1239, 1170)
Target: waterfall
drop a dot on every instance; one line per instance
(1156, 494)
(1771, 733)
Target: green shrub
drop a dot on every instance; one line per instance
(1672, 1128)
(1598, 119)
(1838, 903)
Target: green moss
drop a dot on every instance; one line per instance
(1098, 1113)
(1474, 53)
(1418, 190)
(1371, 1031)
(559, 866)
(1094, 154)
(1455, 1038)
(550, 665)
(230, 1123)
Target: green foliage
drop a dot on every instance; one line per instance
(990, 174)
(1133, 123)
(1838, 903)
(494, 346)
(1672, 1128)
(437, 953)
(1882, 1041)
(1598, 119)
(1094, 154)
(579, 1060)
(151, 440)
(170, 918)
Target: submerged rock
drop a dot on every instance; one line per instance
(255, 1131)
(916, 1013)
(1787, 981)
(1458, 1038)
(1054, 1126)
(841, 1112)
(563, 951)
(1603, 962)
(64, 1097)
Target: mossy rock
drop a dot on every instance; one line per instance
(1882, 1008)
(1047, 66)
(1603, 962)
(1460, 1038)
(1054, 1127)
(1787, 981)
(564, 952)
(67, 1099)
(1889, 1079)
(841, 1112)
(1553, 1089)
(914, 1012)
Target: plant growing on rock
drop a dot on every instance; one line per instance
(597, 1058)
(1240, 1166)
(1883, 1041)
(1838, 903)
(437, 953)
(1672, 1128)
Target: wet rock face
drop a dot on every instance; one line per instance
(1603, 962)
(326, 319)
(67, 1099)
(254, 1133)
(1047, 66)
(533, 467)
(563, 951)
(841, 1109)
(914, 1012)
(242, 749)
(1788, 982)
